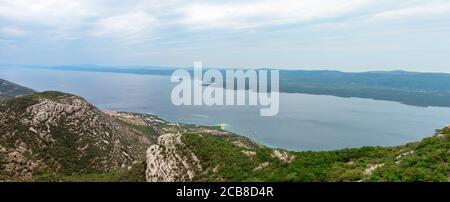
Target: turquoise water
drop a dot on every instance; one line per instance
(304, 122)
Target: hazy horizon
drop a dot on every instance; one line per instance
(218, 67)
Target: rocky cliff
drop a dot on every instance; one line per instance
(56, 132)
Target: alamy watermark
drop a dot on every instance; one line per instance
(238, 87)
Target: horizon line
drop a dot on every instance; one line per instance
(136, 67)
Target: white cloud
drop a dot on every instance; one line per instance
(252, 14)
(101, 18)
(47, 12)
(428, 8)
(131, 25)
(198, 28)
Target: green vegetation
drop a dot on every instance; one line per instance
(135, 174)
(146, 130)
(225, 161)
(429, 162)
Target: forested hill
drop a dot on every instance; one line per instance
(412, 88)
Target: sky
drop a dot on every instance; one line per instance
(346, 35)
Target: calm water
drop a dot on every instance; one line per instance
(305, 122)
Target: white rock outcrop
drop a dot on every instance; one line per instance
(166, 162)
(283, 156)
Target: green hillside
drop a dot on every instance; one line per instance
(222, 160)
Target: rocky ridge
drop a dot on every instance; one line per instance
(57, 132)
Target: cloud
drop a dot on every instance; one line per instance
(180, 30)
(429, 8)
(106, 18)
(47, 12)
(128, 25)
(241, 15)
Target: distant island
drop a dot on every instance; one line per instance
(10, 90)
(411, 88)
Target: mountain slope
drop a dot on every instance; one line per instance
(213, 158)
(53, 132)
(10, 90)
